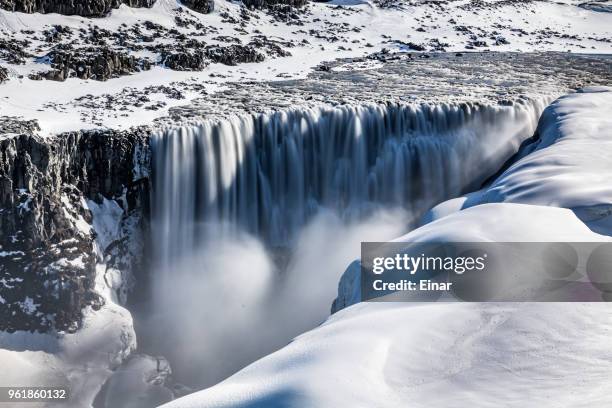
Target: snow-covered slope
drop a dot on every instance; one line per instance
(80, 362)
(568, 166)
(84, 360)
(321, 32)
(434, 356)
(466, 354)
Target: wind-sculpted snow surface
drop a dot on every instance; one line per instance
(433, 356)
(466, 354)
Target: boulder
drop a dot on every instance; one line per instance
(233, 54)
(185, 60)
(201, 6)
(92, 63)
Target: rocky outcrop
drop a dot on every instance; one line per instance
(3, 74)
(48, 250)
(91, 63)
(268, 3)
(85, 8)
(201, 6)
(186, 60)
(13, 51)
(233, 54)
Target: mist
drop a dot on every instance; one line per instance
(232, 301)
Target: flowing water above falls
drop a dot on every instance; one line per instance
(269, 173)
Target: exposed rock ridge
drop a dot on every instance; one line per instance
(48, 250)
(84, 8)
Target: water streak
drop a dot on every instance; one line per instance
(270, 173)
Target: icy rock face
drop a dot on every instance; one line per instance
(233, 55)
(48, 252)
(184, 60)
(3, 74)
(85, 8)
(599, 6)
(269, 173)
(201, 6)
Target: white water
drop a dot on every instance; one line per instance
(269, 173)
(314, 181)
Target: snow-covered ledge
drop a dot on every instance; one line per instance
(558, 191)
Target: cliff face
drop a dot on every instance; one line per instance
(48, 248)
(85, 8)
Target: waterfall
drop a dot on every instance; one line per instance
(269, 173)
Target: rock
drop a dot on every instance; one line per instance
(3, 74)
(47, 253)
(411, 46)
(184, 60)
(260, 4)
(233, 54)
(91, 63)
(85, 8)
(12, 51)
(201, 6)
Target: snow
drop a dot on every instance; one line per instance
(85, 360)
(435, 355)
(571, 166)
(466, 354)
(374, 27)
(81, 361)
(107, 218)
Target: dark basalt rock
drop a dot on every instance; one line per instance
(85, 8)
(47, 254)
(91, 63)
(184, 60)
(12, 51)
(3, 74)
(260, 4)
(233, 54)
(201, 6)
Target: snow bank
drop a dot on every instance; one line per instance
(571, 166)
(436, 355)
(84, 360)
(467, 354)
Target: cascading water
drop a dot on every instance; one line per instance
(269, 173)
(314, 181)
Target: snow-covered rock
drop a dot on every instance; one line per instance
(121, 47)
